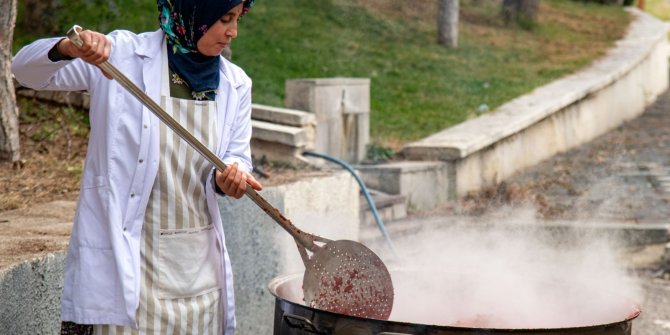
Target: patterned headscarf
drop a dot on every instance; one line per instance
(184, 22)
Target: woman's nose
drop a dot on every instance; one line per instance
(232, 31)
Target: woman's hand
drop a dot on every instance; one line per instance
(95, 50)
(233, 181)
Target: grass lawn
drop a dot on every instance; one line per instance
(418, 87)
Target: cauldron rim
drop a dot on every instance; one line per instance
(276, 282)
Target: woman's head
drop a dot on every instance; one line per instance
(220, 33)
(196, 32)
(185, 22)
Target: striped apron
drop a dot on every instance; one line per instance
(180, 289)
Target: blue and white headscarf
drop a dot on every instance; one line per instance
(184, 22)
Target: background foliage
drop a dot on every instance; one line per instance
(418, 87)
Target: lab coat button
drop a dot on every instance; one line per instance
(132, 195)
(124, 228)
(145, 126)
(141, 161)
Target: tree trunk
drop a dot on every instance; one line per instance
(520, 10)
(9, 113)
(447, 23)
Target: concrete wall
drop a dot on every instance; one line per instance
(30, 295)
(260, 249)
(556, 117)
(342, 110)
(424, 184)
(325, 204)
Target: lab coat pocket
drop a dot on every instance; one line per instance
(189, 262)
(93, 215)
(96, 281)
(89, 182)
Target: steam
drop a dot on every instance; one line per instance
(509, 276)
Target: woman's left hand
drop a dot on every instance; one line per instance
(233, 181)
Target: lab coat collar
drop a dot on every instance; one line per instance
(150, 45)
(150, 48)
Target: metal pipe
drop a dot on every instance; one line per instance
(303, 239)
(366, 193)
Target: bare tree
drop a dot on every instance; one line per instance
(520, 10)
(447, 23)
(9, 113)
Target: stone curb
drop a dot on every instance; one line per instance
(626, 234)
(559, 116)
(514, 116)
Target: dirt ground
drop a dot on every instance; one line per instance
(35, 231)
(38, 194)
(53, 146)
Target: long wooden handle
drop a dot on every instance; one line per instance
(303, 239)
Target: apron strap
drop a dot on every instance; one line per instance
(165, 73)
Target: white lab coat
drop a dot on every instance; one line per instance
(102, 275)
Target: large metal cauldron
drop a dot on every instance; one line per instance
(294, 318)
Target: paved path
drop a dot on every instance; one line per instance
(621, 178)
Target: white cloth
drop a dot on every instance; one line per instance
(102, 275)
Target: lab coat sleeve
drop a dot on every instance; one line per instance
(239, 149)
(32, 68)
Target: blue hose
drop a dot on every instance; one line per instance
(373, 208)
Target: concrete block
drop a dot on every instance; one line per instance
(261, 250)
(271, 132)
(283, 116)
(86, 100)
(68, 98)
(45, 95)
(78, 99)
(628, 235)
(25, 92)
(389, 207)
(341, 107)
(293, 128)
(425, 184)
(30, 293)
(273, 151)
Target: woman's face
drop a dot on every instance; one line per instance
(221, 33)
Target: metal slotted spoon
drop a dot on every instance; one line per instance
(340, 276)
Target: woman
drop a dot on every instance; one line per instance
(147, 252)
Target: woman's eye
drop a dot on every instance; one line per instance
(226, 19)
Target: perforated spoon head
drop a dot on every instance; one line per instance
(346, 277)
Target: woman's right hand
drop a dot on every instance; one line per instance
(233, 181)
(95, 50)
